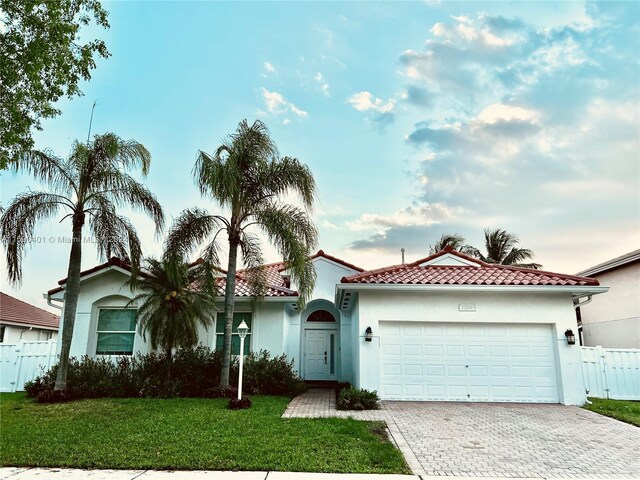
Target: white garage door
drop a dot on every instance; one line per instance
(467, 362)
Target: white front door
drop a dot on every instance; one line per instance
(320, 354)
(468, 362)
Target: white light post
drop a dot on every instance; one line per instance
(243, 328)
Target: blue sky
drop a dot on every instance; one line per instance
(415, 118)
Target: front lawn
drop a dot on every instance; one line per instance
(623, 410)
(187, 433)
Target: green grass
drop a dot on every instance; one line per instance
(623, 410)
(187, 434)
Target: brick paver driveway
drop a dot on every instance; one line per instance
(499, 440)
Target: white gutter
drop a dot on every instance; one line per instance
(49, 300)
(577, 305)
(578, 291)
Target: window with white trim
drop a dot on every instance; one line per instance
(116, 331)
(235, 339)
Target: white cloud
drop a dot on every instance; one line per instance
(324, 85)
(364, 101)
(270, 68)
(420, 214)
(499, 112)
(327, 224)
(277, 104)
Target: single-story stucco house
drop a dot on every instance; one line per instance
(20, 321)
(613, 320)
(447, 327)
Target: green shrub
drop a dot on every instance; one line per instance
(193, 373)
(357, 399)
(271, 376)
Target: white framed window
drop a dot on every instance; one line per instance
(116, 331)
(238, 317)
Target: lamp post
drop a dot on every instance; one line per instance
(243, 328)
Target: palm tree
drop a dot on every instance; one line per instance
(175, 297)
(89, 186)
(501, 248)
(246, 176)
(454, 240)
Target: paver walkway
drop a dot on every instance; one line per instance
(497, 439)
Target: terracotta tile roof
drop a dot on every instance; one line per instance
(622, 260)
(112, 262)
(13, 310)
(484, 274)
(278, 286)
(276, 283)
(336, 260)
(244, 289)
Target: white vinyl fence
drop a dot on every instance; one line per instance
(611, 372)
(24, 361)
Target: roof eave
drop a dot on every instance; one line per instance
(609, 266)
(580, 290)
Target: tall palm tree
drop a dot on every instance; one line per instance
(247, 177)
(175, 297)
(453, 240)
(89, 186)
(501, 248)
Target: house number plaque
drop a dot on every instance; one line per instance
(467, 307)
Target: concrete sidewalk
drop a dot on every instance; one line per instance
(12, 473)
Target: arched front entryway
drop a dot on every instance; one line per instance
(320, 341)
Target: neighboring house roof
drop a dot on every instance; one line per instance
(16, 311)
(470, 271)
(617, 262)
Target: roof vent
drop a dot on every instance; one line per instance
(402, 253)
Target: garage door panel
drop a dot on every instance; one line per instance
(457, 362)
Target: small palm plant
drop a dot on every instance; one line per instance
(247, 177)
(89, 187)
(175, 298)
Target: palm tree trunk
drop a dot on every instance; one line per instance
(229, 295)
(72, 290)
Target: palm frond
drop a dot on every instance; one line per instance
(124, 191)
(18, 224)
(454, 240)
(114, 234)
(253, 260)
(287, 174)
(294, 235)
(49, 169)
(193, 227)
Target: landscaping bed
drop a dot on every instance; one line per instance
(187, 433)
(624, 410)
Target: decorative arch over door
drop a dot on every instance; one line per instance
(321, 316)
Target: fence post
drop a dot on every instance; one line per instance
(18, 364)
(603, 369)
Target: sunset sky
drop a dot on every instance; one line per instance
(415, 118)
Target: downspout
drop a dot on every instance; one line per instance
(26, 330)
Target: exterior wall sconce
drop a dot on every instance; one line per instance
(571, 338)
(368, 334)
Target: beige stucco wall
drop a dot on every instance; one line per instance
(612, 320)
